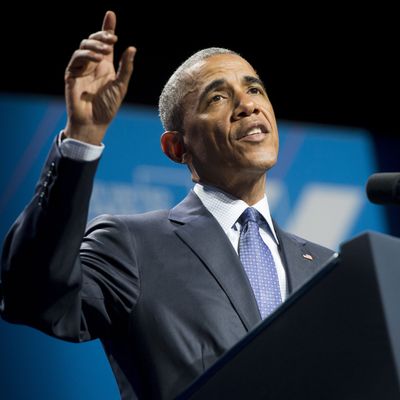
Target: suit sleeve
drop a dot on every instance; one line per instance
(55, 277)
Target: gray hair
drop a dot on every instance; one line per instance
(170, 105)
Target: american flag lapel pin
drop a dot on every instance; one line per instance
(308, 256)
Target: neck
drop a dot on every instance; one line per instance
(249, 190)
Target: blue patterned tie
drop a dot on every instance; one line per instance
(258, 263)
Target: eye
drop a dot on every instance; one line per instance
(216, 98)
(255, 90)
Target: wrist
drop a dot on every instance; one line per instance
(91, 134)
(78, 150)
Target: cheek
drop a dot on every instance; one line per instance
(209, 136)
(274, 145)
(273, 150)
(222, 134)
(199, 145)
(212, 136)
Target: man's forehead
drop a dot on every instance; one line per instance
(220, 63)
(218, 67)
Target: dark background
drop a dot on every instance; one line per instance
(326, 65)
(331, 64)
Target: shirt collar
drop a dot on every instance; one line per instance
(226, 209)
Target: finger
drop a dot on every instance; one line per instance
(125, 68)
(103, 36)
(96, 46)
(79, 61)
(109, 22)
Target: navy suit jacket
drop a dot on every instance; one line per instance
(164, 291)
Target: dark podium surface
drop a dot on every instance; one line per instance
(338, 337)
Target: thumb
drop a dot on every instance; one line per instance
(125, 68)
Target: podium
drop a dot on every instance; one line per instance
(337, 337)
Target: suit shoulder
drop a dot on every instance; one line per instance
(147, 218)
(312, 246)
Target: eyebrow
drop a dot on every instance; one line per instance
(217, 83)
(254, 79)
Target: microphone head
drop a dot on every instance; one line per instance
(384, 188)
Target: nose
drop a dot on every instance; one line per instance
(244, 106)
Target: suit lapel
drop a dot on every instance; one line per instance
(299, 262)
(202, 233)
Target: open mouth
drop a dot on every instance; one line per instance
(255, 133)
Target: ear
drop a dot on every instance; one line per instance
(172, 145)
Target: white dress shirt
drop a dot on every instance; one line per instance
(77, 150)
(227, 209)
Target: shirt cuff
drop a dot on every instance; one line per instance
(79, 151)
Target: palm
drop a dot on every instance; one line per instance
(94, 95)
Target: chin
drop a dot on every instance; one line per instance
(265, 162)
(271, 163)
(257, 168)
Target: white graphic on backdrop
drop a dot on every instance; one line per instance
(325, 213)
(152, 174)
(122, 198)
(152, 188)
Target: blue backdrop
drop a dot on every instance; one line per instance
(317, 190)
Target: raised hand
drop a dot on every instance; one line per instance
(93, 90)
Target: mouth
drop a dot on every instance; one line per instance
(254, 133)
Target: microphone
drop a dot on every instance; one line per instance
(384, 188)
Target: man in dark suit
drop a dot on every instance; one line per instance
(165, 291)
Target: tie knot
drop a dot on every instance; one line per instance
(249, 214)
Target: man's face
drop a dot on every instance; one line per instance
(230, 130)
